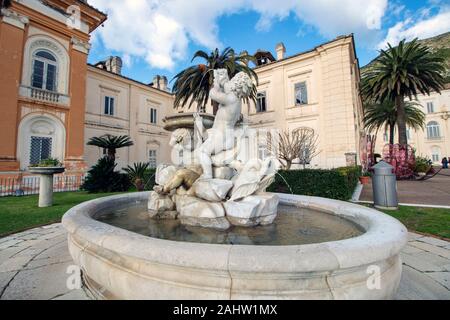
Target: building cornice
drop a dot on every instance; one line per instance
(14, 18)
(339, 41)
(80, 45)
(127, 80)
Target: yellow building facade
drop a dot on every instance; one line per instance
(433, 141)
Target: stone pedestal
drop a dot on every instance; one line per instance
(46, 183)
(45, 191)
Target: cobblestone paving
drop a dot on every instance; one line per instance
(33, 265)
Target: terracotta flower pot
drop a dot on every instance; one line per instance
(364, 180)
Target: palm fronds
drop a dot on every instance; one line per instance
(403, 71)
(193, 84)
(110, 143)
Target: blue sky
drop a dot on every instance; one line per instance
(160, 36)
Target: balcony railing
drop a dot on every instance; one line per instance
(44, 95)
(434, 137)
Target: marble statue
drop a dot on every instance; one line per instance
(184, 177)
(216, 189)
(221, 137)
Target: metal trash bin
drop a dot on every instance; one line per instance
(384, 185)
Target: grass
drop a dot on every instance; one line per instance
(431, 221)
(21, 213)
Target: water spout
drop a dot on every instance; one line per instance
(288, 185)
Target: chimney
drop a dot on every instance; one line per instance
(281, 50)
(160, 82)
(114, 65)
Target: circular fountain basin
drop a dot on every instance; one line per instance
(121, 264)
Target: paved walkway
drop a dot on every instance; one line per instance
(33, 265)
(435, 191)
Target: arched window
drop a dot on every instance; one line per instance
(44, 71)
(40, 136)
(436, 154)
(433, 131)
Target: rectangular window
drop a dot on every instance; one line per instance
(385, 137)
(152, 159)
(263, 153)
(301, 93)
(109, 106)
(37, 80)
(433, 130)
(51, 78)
(430, 107)
(41, 149)
(261, 102)
(153, 116)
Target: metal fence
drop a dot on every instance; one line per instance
(29, 185)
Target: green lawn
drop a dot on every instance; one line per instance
(20, 213)
(426, 220)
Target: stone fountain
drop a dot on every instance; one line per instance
(210, 231)
(215, 189)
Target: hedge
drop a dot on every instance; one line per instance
(336, 183)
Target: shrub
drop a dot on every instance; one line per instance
(423, 165)
(137, 174)
(50, 162)
(334, 184)
(102, 178)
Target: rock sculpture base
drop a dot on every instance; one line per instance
(207, 202)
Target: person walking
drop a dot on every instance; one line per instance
(444, 163)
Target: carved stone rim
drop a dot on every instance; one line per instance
(384, 236)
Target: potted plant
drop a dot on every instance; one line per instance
(422, 166)
(365, 177)
(46, 169)
(47, 166)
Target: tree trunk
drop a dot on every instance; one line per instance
(215, 106)
(139, 184)
(391, 133)
(288, 164)
(401, 121)
(112, 154)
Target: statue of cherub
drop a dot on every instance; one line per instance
(221, 137)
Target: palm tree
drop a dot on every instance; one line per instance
(404, 71)
(194, 83)
(384, 114)
(111, 144)
(137, 174)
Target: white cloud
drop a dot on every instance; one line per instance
(159, 31)
(127, 60)
(421, 28)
